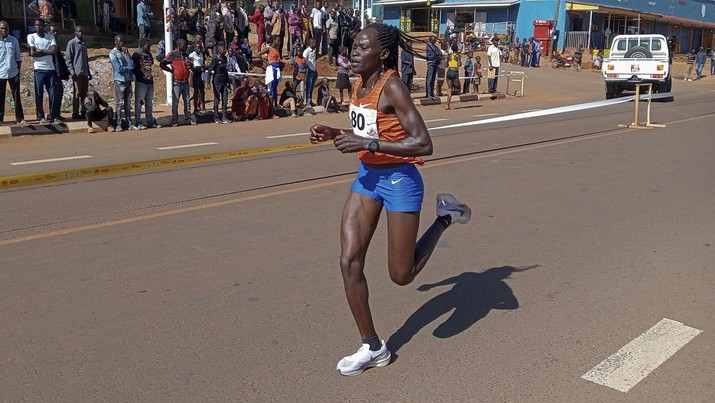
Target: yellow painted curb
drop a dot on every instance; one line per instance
(10, 182)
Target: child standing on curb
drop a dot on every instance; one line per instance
(343, 82)
(468, 67)
(198, 77)
(476, 74)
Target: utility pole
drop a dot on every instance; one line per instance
(556, 23)
(168, 46)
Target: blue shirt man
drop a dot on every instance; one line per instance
(144, 15)
(10, 61)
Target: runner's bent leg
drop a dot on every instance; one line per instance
(359, 220)
(405, 258)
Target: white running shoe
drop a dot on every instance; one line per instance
(449, 205)
(363, 359)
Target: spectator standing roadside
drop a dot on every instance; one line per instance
(690, 60)
(272, 61)
(144, 15)
(42, 48)
(312, 72)
(242, 26)
(700, 59)
(468, 67)
(229, 21)
(10, 62)
(433, 56)
(536, 57)
(294, 27)
(198, 77)
(343, 81)
(62, 74)
(279, 29)
(712, 62)
(259, 19)
(219, 71)
(122, 66)
(407, 68)
(316, 15)
(268, 11)
(144, 87)
(331, 26)
(494, 62)
(177, 63)
(78, 65)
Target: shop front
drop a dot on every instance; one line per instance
(495, 17)
(409, 15)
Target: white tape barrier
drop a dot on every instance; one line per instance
(553, 111)
(504, 73)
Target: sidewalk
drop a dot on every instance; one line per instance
(163, 116)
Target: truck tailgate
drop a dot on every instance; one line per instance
(636, 69)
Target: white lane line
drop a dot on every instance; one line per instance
(552, 111)
(278, 136)
(77, 157)
(531, 110)
(186, 146)
(632, 363)
(436, 120)
(483, 115)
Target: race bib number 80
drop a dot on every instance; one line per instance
(364, 121)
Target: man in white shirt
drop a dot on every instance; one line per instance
(312, 74)
(316, 15)
(42, 48)
(494, 60)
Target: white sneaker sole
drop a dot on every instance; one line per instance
(381, 363)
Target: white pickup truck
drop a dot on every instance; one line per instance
(636, 59)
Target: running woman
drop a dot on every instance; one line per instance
(388, 135)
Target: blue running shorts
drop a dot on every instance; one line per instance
(400, 189)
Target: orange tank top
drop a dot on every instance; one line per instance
(273, 55)
(368, 121)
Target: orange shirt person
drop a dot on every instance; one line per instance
(389, 136)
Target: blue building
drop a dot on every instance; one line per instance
(588, 23)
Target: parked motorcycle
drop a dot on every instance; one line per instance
(558, 61)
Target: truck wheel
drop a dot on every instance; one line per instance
(664, 87)
(638, 52)
(610, 91)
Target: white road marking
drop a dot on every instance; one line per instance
(436, 120)
(186, 146)
(485, 115)
(632, 363)
(77, 157)
(287, 135)
(552, 111)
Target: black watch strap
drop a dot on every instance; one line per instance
(373, 146)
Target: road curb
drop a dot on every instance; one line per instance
(165, 121)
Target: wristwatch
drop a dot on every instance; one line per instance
(373, 146)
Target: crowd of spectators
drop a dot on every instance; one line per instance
(219, 56)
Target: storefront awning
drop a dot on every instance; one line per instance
(478, 4)
(610, 10)
(399, 2)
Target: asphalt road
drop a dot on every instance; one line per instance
(219, 282)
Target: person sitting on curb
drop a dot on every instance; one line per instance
(325, 98)
(98, 109)
(289, 99)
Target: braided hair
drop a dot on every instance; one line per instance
(392, 38)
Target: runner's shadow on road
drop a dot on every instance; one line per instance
(471, 297)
